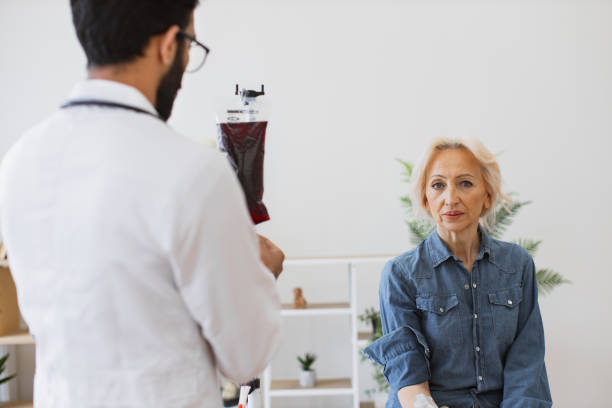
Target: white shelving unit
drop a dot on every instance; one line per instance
(326, 387)
(16, 338)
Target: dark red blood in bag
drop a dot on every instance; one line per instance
(244, 144)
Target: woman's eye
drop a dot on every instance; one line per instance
(466, 183)
(437, 186)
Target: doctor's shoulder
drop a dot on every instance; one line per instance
(197, 162)
(28, 139)
(191, 151)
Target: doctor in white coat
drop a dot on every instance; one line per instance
(137, 266)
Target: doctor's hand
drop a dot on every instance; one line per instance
(271, 256)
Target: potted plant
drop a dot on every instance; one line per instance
(380, 393)
(308, 376)
(2, 368)
(371, 316)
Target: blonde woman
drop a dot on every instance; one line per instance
(460, 315)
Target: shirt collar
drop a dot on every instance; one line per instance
(440, 253)
(112, 91)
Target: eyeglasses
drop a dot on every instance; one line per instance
(197, 52)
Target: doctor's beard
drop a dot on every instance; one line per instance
(170, 85)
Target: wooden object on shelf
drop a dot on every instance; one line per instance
(20, 336)
(17, 404)
(317, 309)
(328, 383)
(9, 309)
(365, 336)
(329, 386)
(299, 302)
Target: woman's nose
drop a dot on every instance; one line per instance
(450, 195)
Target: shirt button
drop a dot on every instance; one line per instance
(466, 286)
(475, 315)
(509, 302)
(441, 310)
(477, 348)
(480, 378)
(474, 285)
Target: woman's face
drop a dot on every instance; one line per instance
(455, 193)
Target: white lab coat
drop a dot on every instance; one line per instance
(136, 262)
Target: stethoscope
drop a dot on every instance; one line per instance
(108, 104)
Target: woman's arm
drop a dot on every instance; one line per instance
(525, 379)
(403, 349)
(419, 394)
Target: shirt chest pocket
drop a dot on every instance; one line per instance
(440, 320)
(505, 309)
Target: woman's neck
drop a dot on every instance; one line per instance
(464, 244)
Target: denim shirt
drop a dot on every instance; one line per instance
(476, 337)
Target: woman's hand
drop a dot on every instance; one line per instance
(417, 396)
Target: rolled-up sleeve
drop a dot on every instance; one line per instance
(403, 349)
(525, 378)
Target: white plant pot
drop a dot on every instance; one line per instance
(308, 379)
(380, 399)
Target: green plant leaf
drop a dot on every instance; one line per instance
(406, 170)
(504, 217)
(3, 380)
(529, 245)
(3, 360)
(406, 203)
(548, 280)
(420, 229)
(369, 314)
(307, 361)
(381, 381)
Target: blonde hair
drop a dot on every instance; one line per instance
(488, 166)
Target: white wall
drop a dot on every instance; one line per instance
(355, 84)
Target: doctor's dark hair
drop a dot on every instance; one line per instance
(116, 31)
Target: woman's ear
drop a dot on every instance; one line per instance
(425, 205)
(168, 45)
(486, 205)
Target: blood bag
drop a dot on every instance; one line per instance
(241, 135)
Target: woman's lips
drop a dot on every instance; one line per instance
(452, 215)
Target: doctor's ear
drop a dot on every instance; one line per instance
(167, 45)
